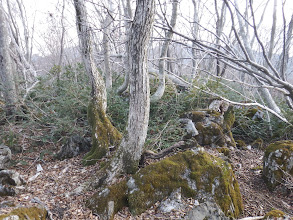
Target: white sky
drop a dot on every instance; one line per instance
(40, 9)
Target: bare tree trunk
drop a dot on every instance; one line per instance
(6, 73)
(219, 30)
(104, 134)
(161, 88)
(129, 152)
(62, 40)
(106, 32)
(195, 35)
(128, 16)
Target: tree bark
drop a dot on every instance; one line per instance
(128, 16)
(106, 32)
(129, 152)
(104, 134)
(161, 88)
(6, 73)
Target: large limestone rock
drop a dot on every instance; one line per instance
(213, 127)
(278, 163)
(26, 213)
(74, 146)
(196, 173)
(5, 156)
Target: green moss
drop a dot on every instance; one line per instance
(117, 193)
(241, 144)
(104, 134)
(224, 150)
(197, 116)
(284, 145)
(210, 175)
(212, 134)
(274, 214)
(251, 112)
(28, 213)
(229, 118)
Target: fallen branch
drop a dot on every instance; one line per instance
(182, 145)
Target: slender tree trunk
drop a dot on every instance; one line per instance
(128, 16)
(6, 73)
(129, 152)
(106, 32)
(161, 88)
(104, 134)
(195, 35)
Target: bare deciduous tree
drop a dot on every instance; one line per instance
(6, 73)
(104, 134)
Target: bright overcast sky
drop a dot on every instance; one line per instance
(42, 8)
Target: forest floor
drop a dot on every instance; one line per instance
(56, 185)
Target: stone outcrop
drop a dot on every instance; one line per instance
(196, 173)
(213, 127)
(278, 163)
(5, 156)
(74, 146)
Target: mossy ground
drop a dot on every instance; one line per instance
(28, 213)
(104, 134)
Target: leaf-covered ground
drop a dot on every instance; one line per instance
(57, 187)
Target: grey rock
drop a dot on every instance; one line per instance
(5, 156)
(74, 146)
(11, 177)
(8, 180)
(173, 202)
(206, 211)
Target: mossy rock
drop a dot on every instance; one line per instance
(199, 175)
(104, 134)
(35, 213)
(108, 201)
(213, 127)
(277, 162)
(275, 214)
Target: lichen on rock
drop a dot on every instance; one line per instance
(198, 175)
(278, 162)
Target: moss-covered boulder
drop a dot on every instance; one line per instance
(213, 128)
(197, 174)
(26, 213)
(278, 162)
